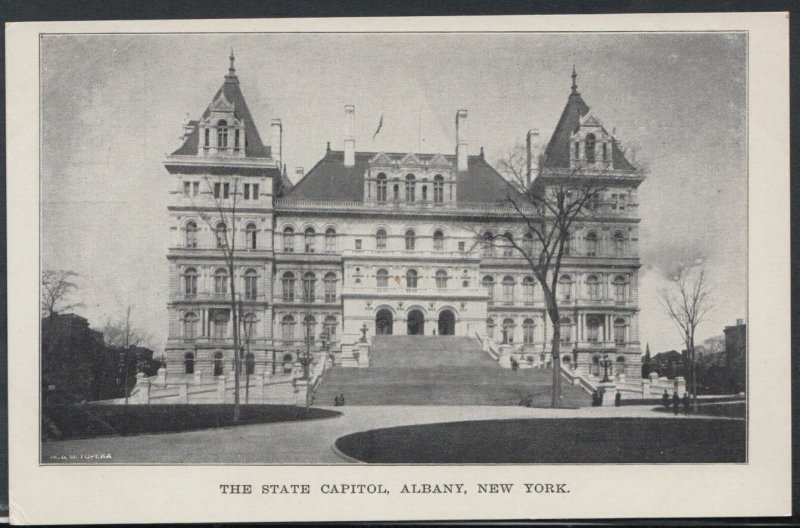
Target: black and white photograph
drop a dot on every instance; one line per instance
(395, 248)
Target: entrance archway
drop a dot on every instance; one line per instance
(416, 323)
(447, 323)
(383, 322)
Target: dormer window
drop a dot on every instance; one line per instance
(590, 144)
(236, 138)
(207, 141)
(438, 189)
(410, 183)
(381, 188)
(222, 134)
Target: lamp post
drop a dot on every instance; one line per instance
(606, 363)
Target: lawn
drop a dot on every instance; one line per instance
(553, 441)
(60, 422)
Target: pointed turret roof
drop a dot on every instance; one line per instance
(232, 93)
(556, 154)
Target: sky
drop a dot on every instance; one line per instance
(113, 107)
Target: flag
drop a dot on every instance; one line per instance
(380, 125)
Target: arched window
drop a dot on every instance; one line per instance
(410, 183)
(528, 286)
(619, 367)
(619, 244)
(250, 284)
(381, 188)
(424, 193)
(565, 326)
(308, 236)
(330, 240)
(288, 362)
(288, 286)
(382, 278)
(249, 364)
(191, 235)
(490, 328)
(380, 239)
(508, 328)
(190, 282)
(222, 134)
(593, 288)
(488, 283)
(219, 324)
(218, 370)
(190, 326)
(288, 240)
(590, 143)
(221, 234)
(249, 325)
(250, 235)
(309, 285)
(508, 247)
(329, 328)
(619, 331)
(527, 331)
(441, 279)
(309, 324)
(620, 289)
(527, 243)
(565, 287)
(593, 324)
(411, 279)
(287, 329)
(438, 189)
(330, 287)
(411, 238)
(487, 244)
(220, 281)
(591, 244)
(438, 240)
(508, 289)
(188, 363)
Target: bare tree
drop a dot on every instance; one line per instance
(224, 195)
(122, 333)
(57, 288)
(549, 211)
(688, 301)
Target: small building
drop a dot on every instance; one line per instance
(736, 355)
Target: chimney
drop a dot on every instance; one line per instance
(532, 154)
(277, 140)
(739, 322)
(461, 140)
(298, 173)
(349, 138)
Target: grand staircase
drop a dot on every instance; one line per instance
(444, 370)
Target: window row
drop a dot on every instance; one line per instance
(218, 325)
(226, 136)
(309, 240)
(222, 238)
(218, 363)
(506, 245)
(383, 195)
(619, 288)
(221, 282)
(309, 323)
(567, 334)
(308, 293)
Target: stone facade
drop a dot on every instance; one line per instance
(390, 242)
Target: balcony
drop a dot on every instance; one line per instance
(403, 292)
(405, 255)
(211, 250)
(209, 297)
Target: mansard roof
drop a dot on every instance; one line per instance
(232, 94)
(556, 154)
(330, 179)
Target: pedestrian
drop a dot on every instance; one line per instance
(595, 399)
(618, 399)
(341, 399)
(686, 400)
(336, 401)
(665, 399)
(676, 401)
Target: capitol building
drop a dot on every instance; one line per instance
(400, 243)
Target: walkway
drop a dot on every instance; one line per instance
(297, 442)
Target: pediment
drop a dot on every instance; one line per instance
(382, 159)
(590, 120)
(222, 105)
(410, 159)
(438, 160)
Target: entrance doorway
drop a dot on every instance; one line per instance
(416, 323)
(383, 322)
(447, 323)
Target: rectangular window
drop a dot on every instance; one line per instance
(217, 187)
(195, 188)
(593, 332)
(207, 135)
(246, 191)
(621, 202)
(255, 191)
(358, 243)
(236, 138)
(226, 187)
(614, 202)
(461, 246)
(187, 186)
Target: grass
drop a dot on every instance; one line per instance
(728, 410)
(61, 422)
(552, 440)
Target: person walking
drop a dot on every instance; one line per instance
(618, 399)
(665, 399)
(676, 402)
(686, 400)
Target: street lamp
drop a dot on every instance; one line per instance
(606, 363)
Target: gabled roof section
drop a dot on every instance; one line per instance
(330, 179)
(229, 93)
(556, 154)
